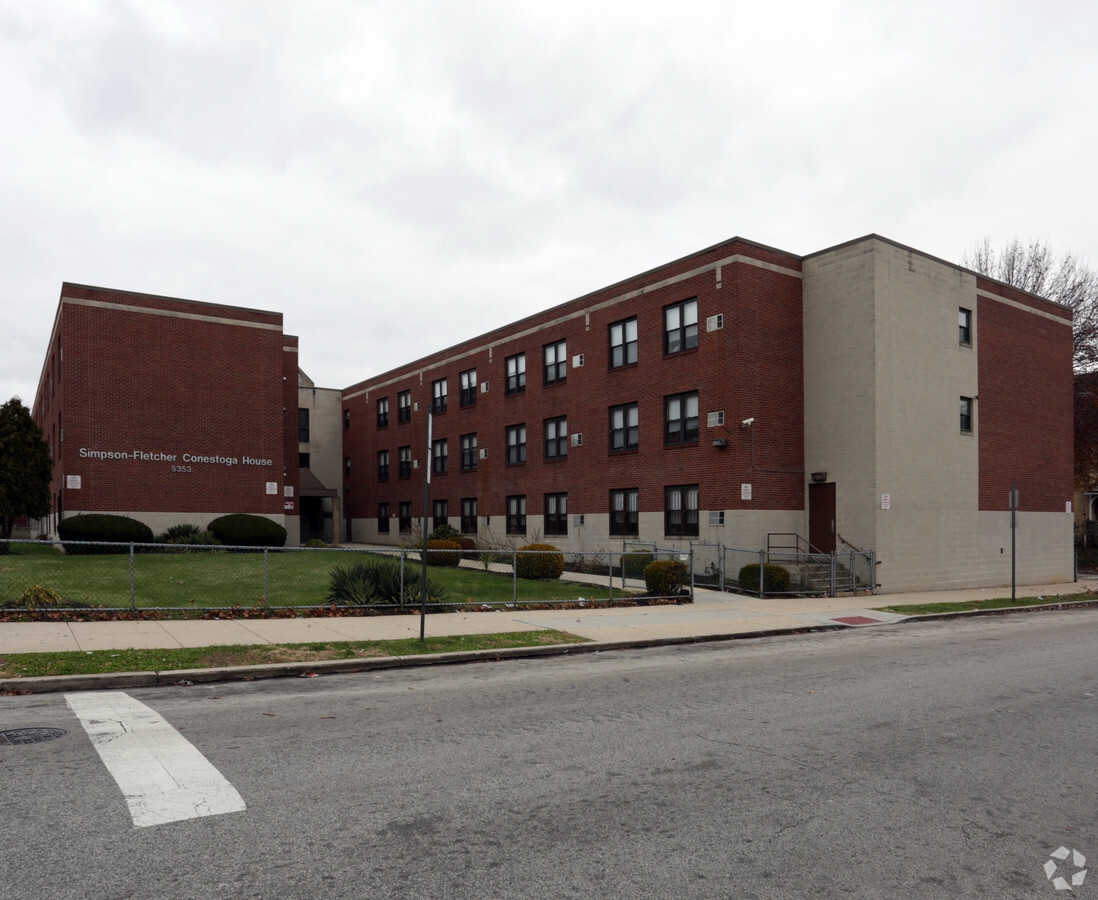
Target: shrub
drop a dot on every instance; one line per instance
(183, 536)
(105, 528)
(665, 577)
(316, 542)
(36, 597)
(777, 578)
(634, 564)
(378, 581)
(542, 562)
(443, 553)
(242, 530)
(444, 533)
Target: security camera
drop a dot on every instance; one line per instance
(747, 423)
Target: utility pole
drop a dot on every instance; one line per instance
(423, 552)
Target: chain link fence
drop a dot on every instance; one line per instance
(786, 572)
(80, 575)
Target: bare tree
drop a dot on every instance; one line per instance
(1066, 280)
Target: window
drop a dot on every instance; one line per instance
(680, 510)
(556, 438)
(438, 396)
(516, 514)
(556, 514)
(405, 517)
(468, 452)
(383, 465)
(346, 418)
(516, 373)
(347, 466)
(404, 462)
(383, 518)
(623, 343)
(964, 318)
(469, 515)
(383, 412)
(680, 326)
(404, 406)
(556, 362)
(624, 427)
(623, 511)
(303, 426)
(439, 457)
(441, 516)
(303, 460)
(680, 418)
(516, 445)
(966, 415)
(469, 388)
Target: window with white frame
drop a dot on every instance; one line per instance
(623, 343)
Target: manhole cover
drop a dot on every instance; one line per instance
(30, 735)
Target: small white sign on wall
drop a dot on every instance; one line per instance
(272, 487)
(288, 504)
(72, 482)
(745, 492)
(1067, 507)
(288, 491)
(886, 501)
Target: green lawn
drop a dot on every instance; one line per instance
(28, 665)
(220, 579)
(927, 609)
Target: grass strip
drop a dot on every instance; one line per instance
(94, 662)
(928, 609)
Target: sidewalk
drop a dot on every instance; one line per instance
(712, 614)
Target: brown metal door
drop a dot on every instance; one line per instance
(821, 517)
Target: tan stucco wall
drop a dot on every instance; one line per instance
(884, 374)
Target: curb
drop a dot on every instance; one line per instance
(187, 677)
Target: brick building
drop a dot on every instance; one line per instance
(169, 410)
(866, 396)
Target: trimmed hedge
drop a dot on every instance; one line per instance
(443, 553)
(243, 530)
(444, 533)
(545, 564)
(666, 577)
(105, 528)
(634, 564)
(777, 578)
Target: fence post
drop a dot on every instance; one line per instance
(873, 571)
(133, 596)
(762, 574)
(264, 576)
(514, 575)
(402, 551)
(832, 592)
(691, 574)
(720, 563)
(853, 575)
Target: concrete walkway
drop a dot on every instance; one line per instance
(711, 614)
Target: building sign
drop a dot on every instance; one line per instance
(288, 504)
(745, 492)
(157, 456)
(72, 482)
(288, 491)
(272, 487)
(886, 501)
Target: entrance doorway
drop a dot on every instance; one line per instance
(821, 517)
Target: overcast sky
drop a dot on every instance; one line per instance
(397, 176)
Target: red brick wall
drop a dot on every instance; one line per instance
(753, 367)
(1024, 410)
(174, 385)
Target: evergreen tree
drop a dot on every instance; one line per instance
(25, 468)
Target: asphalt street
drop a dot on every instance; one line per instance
(945, 759)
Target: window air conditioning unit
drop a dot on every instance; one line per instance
(483, 452)
(577, 361)
(415, 406)
(716, 517)
(577, 439)
(715, 323)
(415, 463)
(577, 520)
(484, 387)
(715, 419)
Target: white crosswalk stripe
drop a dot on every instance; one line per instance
(161, 774)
